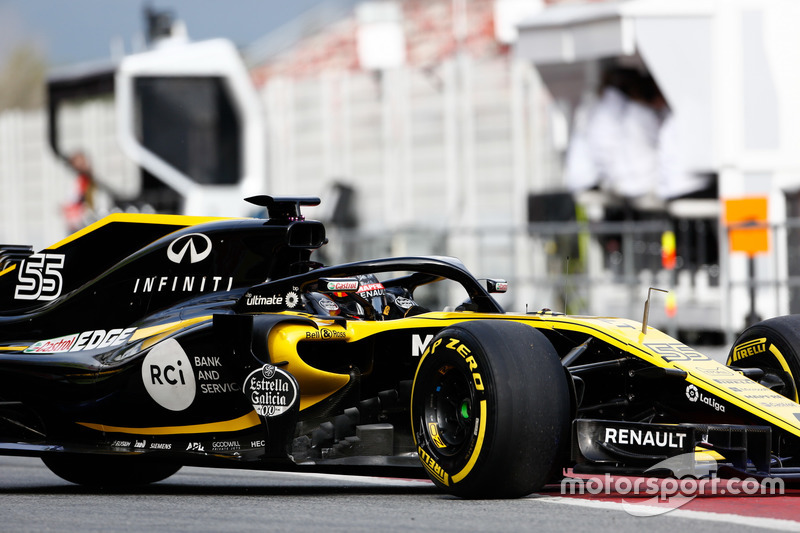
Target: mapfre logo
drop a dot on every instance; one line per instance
(196, 245)
(168, 376)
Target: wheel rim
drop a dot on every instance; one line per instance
(449, 411)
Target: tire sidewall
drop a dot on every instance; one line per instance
(771, 345)
(457, 348)
(525, 426)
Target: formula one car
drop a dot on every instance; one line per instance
(144, 343)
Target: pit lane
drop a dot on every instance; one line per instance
(198, 499)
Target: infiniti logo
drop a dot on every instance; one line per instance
(198, 245)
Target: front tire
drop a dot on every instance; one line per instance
(107, 470)
(490, 410)
(772, 346)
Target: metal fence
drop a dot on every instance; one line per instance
(606, 268)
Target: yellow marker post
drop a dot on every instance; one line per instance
(746, 220)
(748, 232)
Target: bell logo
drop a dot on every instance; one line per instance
(197, 244)
(168, 376)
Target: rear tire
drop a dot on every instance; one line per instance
(771, 345)
(107, 470)
(490, 410)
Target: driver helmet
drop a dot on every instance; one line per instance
(401, 304)
(368, 302)
(321, 304)
(371, 291)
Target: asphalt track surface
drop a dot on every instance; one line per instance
(198, 499)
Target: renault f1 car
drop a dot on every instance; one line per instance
(143, 343)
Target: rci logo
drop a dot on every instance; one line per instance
(168, 376)
(197, 244)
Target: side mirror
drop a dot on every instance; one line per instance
(495, 286)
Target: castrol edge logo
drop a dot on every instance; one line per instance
(168, 376)
(88, 340)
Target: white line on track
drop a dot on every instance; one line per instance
(776, 524)
(370, 480)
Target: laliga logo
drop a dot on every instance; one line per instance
(694, 395)
(691, 393)
(197, 244)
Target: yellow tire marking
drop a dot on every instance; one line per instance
(434, 431)
(478, 445)
(784, 365)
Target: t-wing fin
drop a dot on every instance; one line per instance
(284, 209)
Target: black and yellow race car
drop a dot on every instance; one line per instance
(147, 342)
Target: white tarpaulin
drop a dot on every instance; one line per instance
(671, 40)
